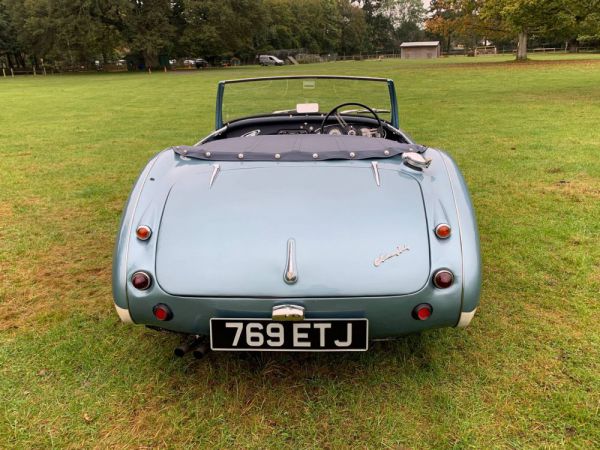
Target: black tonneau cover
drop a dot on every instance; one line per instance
(298, 147)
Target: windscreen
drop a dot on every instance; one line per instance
(299, 95)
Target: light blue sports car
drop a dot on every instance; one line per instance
(307, 221)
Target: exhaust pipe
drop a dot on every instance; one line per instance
(201, 351)
(186, 347)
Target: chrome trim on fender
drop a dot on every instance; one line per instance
(465, 318)
(216, 168)
(376, 172)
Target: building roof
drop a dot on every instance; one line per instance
(421, 44)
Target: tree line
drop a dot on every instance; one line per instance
(74, 32)
(567, 23)
(66, 33)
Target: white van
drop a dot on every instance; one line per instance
(269, 60)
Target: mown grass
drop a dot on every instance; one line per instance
(525, 374)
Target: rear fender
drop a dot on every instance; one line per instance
(119, 268)
(469, 237)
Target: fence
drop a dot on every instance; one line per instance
(302, 58)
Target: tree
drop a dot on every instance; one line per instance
(554, 19)
(8, 36)
(77, 31)
(353, 26)
(149, 29)
(458, 22)
(521, 17)
(222, 27)
(442, 21)
(579, 21)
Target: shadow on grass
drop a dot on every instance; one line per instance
(412, 354)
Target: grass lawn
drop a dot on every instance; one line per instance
(525, 374)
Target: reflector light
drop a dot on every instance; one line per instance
(443, 279)
(141, 281)
(162, 312)
(443, 231)
(143, 232)
(422, 311)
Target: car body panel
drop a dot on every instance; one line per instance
(337, 236)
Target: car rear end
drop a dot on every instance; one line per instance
(298, 256)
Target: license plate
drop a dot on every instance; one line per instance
(316, 335)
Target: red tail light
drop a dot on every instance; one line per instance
(443, 231)
(143, 232)
(422, 311)
(141, 281)
(162, 312)
(443, 279)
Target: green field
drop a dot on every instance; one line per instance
(526, 373)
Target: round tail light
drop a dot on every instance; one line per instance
(141, 281)
(422, 311)
(443, 279)
(162, 312)
(143, 232)
(443, 231)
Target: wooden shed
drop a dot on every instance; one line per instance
(420, 50)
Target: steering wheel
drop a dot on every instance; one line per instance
(343, 123)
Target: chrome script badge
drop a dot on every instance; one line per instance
(383, 258)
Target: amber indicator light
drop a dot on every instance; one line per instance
(443, 231)
(143, 232)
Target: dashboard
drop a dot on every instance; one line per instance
(333, 130)
(299, 125)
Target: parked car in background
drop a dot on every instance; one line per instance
(200, 63)
(269, 60)
(307, 221)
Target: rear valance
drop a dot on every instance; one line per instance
(304, 147)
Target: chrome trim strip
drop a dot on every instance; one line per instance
(291, 274)
(375, 167)
(300, 77)
(211, 135)
(216, 168)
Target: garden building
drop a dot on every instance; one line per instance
(420, 50)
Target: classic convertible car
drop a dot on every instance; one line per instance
(307, 221)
